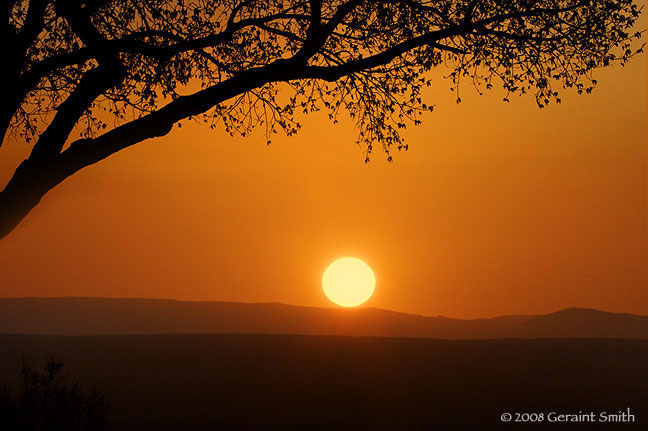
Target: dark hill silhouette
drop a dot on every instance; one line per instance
(93, 316)
(584, 323)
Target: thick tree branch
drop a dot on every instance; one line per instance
(88, 151)
(93, 84)
(313, 34)
(33, 24)
(134, 45)
(333, 73)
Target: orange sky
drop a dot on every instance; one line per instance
(496, 209)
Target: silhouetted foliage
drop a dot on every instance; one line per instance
(47, 400)
(103, 75)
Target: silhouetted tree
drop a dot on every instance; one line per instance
(141, 66)
(46, 400)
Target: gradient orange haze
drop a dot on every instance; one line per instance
(497, 208)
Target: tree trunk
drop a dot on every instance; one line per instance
(31, 180)
(42, 171)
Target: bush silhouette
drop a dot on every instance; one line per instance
(47, 400)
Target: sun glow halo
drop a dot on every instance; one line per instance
(348, 282)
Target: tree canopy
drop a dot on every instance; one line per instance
(90, 78)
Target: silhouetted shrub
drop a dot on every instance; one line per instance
(47, 400)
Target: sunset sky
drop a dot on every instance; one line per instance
(497, 208)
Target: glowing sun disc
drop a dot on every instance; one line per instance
(348, 282)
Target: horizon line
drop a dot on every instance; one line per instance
(360, 307)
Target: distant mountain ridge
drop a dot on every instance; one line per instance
(97, 316)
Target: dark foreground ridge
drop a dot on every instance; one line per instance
(206, 382)
(96, 316)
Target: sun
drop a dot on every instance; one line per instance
(348, 282)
